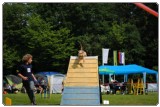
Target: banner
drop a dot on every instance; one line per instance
(121, 57)
(114, 57)
(105, 53)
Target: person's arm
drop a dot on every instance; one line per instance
(23, 77)
(112, 80)
(34, 77)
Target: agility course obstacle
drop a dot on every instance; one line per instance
(149, 10)
(81, 86)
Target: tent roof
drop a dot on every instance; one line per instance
(48, 73)
(12, 79)
(124, 69)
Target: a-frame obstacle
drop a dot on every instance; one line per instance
(81, 86)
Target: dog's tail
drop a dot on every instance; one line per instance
(80, 44)
(81, 48)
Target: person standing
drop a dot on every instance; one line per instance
(25, 72)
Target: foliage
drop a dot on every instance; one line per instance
(9, 59)
(51, 32)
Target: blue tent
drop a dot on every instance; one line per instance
(124, 69)
(48, 73)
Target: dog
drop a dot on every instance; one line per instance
(81, 55)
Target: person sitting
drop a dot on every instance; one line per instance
(124, 88)
(7, 88)
(107, 88)
(43, 85)
(113, 85)
(14, 89)
(113, 80)
(39, 89)
(102, 88)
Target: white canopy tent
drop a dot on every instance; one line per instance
(55, 80)
(56, 83)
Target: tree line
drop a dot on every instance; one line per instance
(51, 32)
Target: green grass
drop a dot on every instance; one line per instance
(55, 99)
(22, 99)
(150, 99)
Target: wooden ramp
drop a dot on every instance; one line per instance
(81, 86)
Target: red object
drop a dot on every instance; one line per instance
(119, 57)
(149, 10)
(4, 92)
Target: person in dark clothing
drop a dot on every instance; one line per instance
(43, 83)
(28, 78)
(112, 84)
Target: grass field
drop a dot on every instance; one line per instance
(114, 100)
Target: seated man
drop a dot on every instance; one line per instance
(113, 85)
(113, 80)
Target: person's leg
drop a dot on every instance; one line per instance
(32, 96)
(41, 89)
(30, 92)
(27, 87)
(114, 89)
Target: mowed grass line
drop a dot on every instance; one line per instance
(55, 99)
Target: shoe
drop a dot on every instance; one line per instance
(33, 103)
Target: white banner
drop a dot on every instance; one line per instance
(105, 53)
(123, 58)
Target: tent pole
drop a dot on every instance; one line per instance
(109, 78)
(103, 65)
(125, 77)
(103, 78)
(157, 80)
(144, 79)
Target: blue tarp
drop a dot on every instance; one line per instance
(124, 69)
(48, 73)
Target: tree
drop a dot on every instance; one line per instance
(13, 22)
(9, 59)
(49, 47)
(51, 32)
